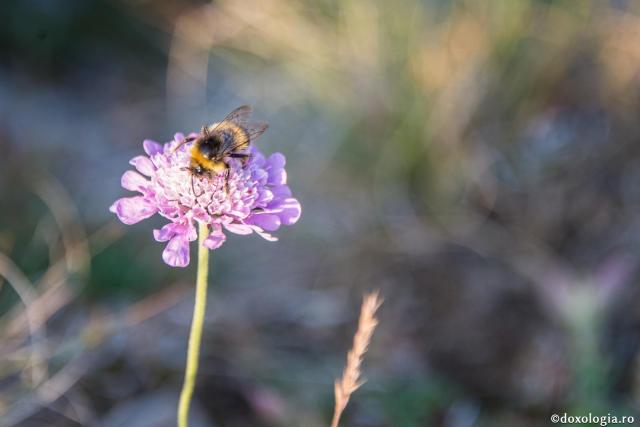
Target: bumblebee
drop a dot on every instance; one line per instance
(227, 139)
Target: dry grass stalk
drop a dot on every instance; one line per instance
(351, 380)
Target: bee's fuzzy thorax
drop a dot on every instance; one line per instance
(208, 165)
(215, 143)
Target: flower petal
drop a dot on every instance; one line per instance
(176, 254)
(288, 210)
(269, 222)
(151, 147)
(200, 214)
(144, 165)
(133, 209)
(239, 228)
(134, 181)
(291, 211)
(215, 239)
(166, 232)
(260, 175)
(281, 192)
(265, 236)
(277, 160)
(190, 231)
(277, 173)
(257, 157)
(277, 176)
(264, 197)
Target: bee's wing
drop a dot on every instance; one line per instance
(239, 116)
(255, 129)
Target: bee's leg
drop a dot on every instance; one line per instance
(226, 178)
(193, 188)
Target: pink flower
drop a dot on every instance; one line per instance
(256, 198)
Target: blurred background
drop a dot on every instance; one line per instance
(478, 162)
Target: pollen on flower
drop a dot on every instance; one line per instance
(253, 197)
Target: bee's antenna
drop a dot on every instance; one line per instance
(180, 144)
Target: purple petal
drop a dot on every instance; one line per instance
(166, 232)
(264, 197)
(239, 228)
(241, 213)
(191, 232)
(277, 161)
(277, 173)
(133, 209)
(176, 254)
(288, 210)
(215, 239)
(151, 147)
(144, 165)
(269, 222)
(260, 175)
(134, 181)
(201, 215)
(167, 210)
(265, 236)
(277, 177)
(257, 158)
(182, 226)
(281, 192)
(291, 211)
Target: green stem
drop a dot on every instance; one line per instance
(195, 336)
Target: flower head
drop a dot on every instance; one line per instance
(251, 197)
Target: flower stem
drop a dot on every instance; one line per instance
(195, 335)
